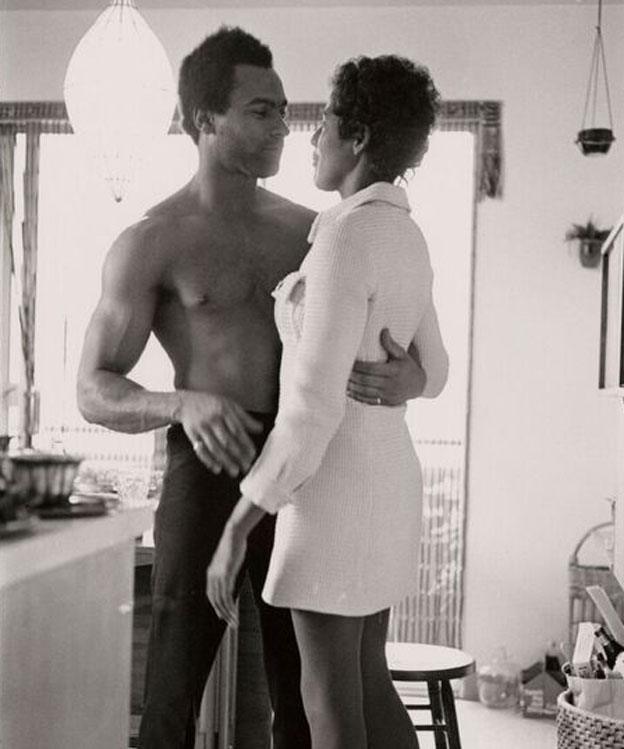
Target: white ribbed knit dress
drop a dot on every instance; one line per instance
(344, 475)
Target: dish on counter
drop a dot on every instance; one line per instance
(81, 505)
(42, 479)
(21, 525)
(111, 499)
(77, 506)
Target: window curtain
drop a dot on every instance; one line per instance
(27, 308)
(20, 118)
(7, 267)
(483, 118)
(7, 198)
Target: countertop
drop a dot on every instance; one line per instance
(53, 543)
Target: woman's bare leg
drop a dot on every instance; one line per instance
(387, 721)
(331, 679)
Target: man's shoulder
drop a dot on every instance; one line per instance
(170, 211)
(142, 234)
(161, 224)
(141, 248)
(287, 212)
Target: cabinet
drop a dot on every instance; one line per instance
(66, 631)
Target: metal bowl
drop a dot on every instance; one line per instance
(43, 479)
(12, 506)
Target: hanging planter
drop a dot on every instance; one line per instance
(595, 141)
(592, 140)
(590, 240)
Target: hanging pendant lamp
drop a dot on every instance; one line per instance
(592, 140)
(119, 91)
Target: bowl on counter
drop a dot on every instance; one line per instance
(43, 480)
(12, 506)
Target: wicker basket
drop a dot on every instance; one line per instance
(580, 729)
(582, 608)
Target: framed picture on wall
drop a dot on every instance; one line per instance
(611, 370)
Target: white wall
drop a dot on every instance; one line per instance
(542, 441)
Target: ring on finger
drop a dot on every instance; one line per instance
(197, 445)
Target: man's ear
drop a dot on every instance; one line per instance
(361, 140)
(204, 121)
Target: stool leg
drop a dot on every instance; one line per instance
(450, 716)
(437, 713)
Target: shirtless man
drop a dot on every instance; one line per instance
(198, 271)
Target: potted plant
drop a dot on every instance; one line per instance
(590, 239)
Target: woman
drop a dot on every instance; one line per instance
(342, 474)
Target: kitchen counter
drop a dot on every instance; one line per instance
(66, 596)
(53, 543)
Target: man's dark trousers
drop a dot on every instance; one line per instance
(185, 632)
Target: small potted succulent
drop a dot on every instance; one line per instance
(590, 239)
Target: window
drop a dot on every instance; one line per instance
(78, 221)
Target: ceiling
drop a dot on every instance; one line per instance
(164, 4)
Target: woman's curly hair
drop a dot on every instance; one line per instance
(398, 102)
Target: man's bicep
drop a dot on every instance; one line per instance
(115, 337)
(120, 326)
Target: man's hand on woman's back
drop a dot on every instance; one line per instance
(389, 383)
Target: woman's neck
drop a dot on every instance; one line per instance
(351, 186)
(360, 177)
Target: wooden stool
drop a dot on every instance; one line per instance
(436, 665)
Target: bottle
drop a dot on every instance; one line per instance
(499, 681)
(611, 647)
(552, 663)
(551, 659)
(618, 668)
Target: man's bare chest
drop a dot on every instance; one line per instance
(217, 276)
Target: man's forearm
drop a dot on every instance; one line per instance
(116, 402)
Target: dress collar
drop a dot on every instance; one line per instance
(377, 192)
